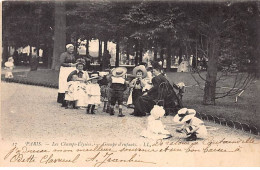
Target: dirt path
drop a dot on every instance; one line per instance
(31, 112)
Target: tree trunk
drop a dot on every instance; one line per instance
(59, 33)
(105, 45)
(127, 53)
(168, 59)
(104, 59)
(99, 50)
(140, 53)
(161, 55)
(180, 55)
(210, 84)
(117, 54)
(5, 52)
(87, 47)
(136, 52)
(155, 51)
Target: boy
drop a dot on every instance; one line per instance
(118, 86)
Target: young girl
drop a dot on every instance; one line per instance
(9, 65)
(72, 95)
(155, 129)
(138, 83)
(93, 94)
(192, 126)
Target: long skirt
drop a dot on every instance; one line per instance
(144, 104)
(135, 94)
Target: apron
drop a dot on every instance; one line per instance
(64, 73)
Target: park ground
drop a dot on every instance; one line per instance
(245, 110)
(31, 112)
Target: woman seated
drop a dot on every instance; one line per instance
(145, 103)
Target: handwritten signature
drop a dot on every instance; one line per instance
(110, 157)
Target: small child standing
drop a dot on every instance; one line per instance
(118, 86)
(71, 95)
(93, 94)
(9, 66)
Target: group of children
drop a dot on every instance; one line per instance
(190, 125)
(88, 93)
(114, 84)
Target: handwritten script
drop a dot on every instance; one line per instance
(105, 154)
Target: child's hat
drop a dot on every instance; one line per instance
(94, 74)
(184, 115)
(9, 64)
(119, 71)
(140, 68)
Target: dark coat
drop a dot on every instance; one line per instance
(161, 94)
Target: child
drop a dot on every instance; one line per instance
(155, 128)
(138, 83)
(192, 126)
(93, 94)
(9, 66)
(71, 95)
(117, 88)
(104, 83)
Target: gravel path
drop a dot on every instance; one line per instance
(31, 112)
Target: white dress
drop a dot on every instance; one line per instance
(155, 129)
(196, 122)
(93, 94)
(72, 94)
(82, 91)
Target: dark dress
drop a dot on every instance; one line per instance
(144, 104)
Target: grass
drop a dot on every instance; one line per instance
(244, 111)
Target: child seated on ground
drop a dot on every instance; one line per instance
(138, 83)
(117, 88)
(192, 126)
(72, 93)
(155, 128)
(93, 94)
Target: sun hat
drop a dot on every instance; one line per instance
(140, 68)
(183, 115)
(95, 74)
(9, 64)
(69, 45)
(119, 71)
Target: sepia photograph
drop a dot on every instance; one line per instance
(134, 83)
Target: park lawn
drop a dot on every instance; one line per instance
(244, 111)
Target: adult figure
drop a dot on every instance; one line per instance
(145, 103)
(82, 77)
(87, 59)
(106, 60)
(34, 60)
(67, 65)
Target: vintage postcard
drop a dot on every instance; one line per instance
(112, 83)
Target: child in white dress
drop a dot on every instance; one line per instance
(72, 93)
(93, 94)
(155, 128)
(192, 126)
(9, 66)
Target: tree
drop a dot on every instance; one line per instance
(219, 43)
(59, 33)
